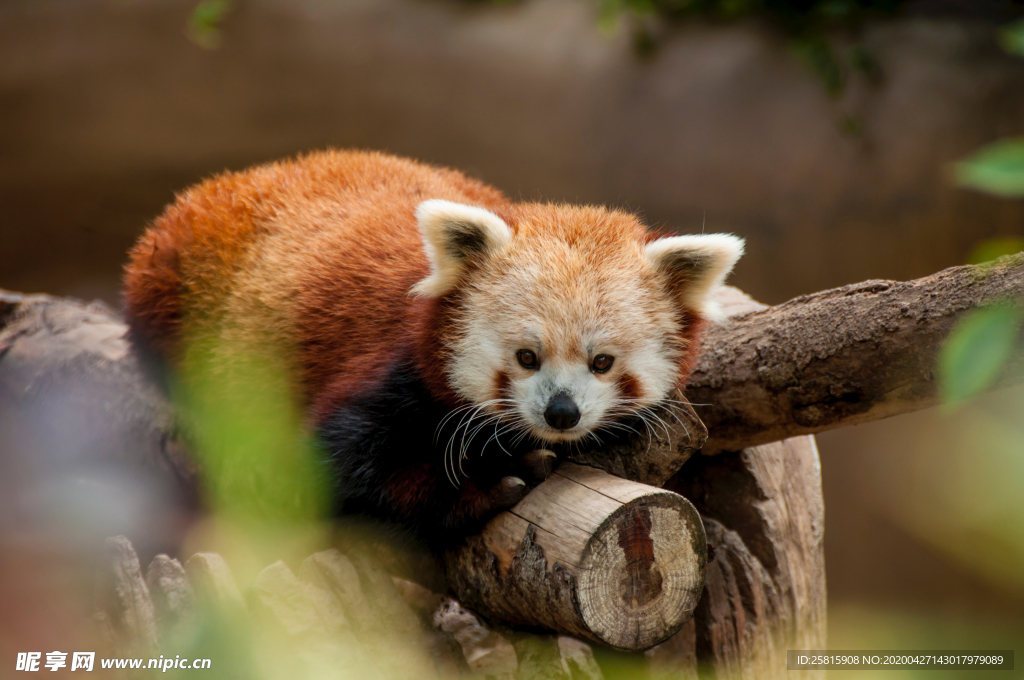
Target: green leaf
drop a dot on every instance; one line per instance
(259, 461)
(204, 23)
(994, 248)
(976, 352)
(1011, 38)
(996, 169)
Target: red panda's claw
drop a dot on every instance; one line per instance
(539, 464)
(507, 492)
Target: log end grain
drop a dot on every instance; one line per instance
(643, 571)
(590, 555)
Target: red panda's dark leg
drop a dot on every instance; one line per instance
(413, 493)
(537, 465)
(475, 504)
(387, 464)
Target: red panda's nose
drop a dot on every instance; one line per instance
(562, 413)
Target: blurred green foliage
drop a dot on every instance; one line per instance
(204, 24)
(996, 169)
(890, 627)
(260, 462)
(979, 348)
(993, 249)
(806, 23)
(1011, 38)
(965, 498)
(976, 352)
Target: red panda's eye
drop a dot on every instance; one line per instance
(527, 359)
(602, 362)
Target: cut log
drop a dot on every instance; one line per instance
(839, 357)
(589, 555)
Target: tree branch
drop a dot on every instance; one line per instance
(839, 357)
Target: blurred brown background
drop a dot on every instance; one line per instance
(107, 108)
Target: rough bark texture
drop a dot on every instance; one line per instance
(172, 595)
(486, 652)
(590, 555)
(340, 617)
(839, 357)
(123, 597)
(765, 590)
(77, 413)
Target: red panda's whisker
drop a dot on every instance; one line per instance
(614, 425)
(449, 472)
(669, 406)
(452, 414)
(480, 424)
(647, 426)
(496, 437)
(664, 427)
(449, 453)
(469, 407)
(679, 420)
(468, 413)
(522, 435)
(683, 401)
(487, 421)
(466, 423)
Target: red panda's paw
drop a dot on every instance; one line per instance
(506, 493)
(538, 465)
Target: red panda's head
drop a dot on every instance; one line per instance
(567, 318)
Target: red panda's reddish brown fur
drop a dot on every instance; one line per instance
(185, 266)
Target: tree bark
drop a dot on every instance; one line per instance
(589, 555)
(839, 357)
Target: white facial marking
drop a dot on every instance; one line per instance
(566, 332)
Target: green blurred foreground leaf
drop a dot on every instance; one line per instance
(1011, 38)
(976, 352)
(204, 23)
(261, 463)
(996, 169)
(994, 248)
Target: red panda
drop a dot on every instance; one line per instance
(412, 301)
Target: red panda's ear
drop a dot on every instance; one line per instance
(453, 234)
(696, 266)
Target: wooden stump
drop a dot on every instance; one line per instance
(589, 555)
(765, 592)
